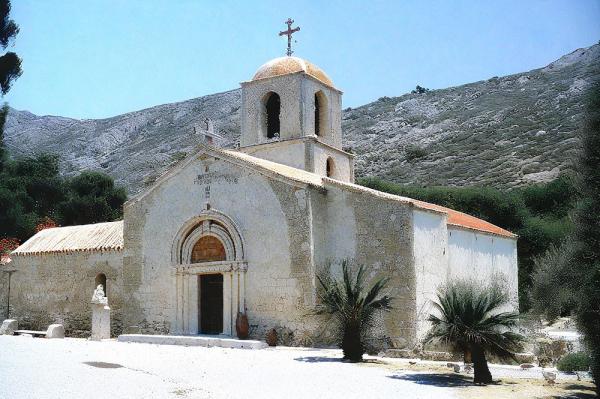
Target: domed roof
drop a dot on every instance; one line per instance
(287, 65)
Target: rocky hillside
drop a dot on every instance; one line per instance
(503, 132)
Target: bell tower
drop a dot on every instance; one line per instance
(292, 114)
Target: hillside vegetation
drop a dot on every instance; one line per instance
(504, 132)
(539, 214)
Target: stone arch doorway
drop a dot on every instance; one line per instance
(210, 272)
(209, 248)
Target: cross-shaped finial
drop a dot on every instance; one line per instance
(289, 32)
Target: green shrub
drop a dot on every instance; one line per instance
(579, 361)
(538, 214)
(414, 152)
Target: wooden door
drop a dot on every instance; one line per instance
(211, 303)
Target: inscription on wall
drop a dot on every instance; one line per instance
(215, 177)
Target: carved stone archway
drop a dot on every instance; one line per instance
(209, 226)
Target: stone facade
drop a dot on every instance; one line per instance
(276, 215)
(56, 288)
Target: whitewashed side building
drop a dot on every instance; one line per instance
(248, 230)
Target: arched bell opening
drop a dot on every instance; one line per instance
(272, 111)
(329, 168)
(321, 112)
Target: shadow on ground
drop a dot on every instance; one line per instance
(588, 394)
(318, 359)
(438, 380)
(325, 359)
(103, 365)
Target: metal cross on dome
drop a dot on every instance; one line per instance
(289, 32)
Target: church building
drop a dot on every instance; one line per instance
(249, 229)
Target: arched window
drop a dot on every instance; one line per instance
(208, 249)
(329, 168)
(320, 113)
(101, 280)
(273, 109)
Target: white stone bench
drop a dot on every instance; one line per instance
(53, 331)
(31, 332)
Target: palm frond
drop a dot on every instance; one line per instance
(467, 313)
(348, 300)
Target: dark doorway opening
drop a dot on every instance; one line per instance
(273, 110)
(211, 303)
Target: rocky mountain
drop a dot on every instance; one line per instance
(503, 132)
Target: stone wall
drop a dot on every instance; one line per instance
(253, 118)
(431, 261)
(287, 152)
(308, 154)
(273, 219)
(297, 116)
(343, 163)
(57, 288)
(375, 232)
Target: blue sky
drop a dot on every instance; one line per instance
(93, 59)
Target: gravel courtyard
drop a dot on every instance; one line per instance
(76, 368)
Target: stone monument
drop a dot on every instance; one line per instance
(100, 315)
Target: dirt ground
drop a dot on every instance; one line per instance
(502, 388)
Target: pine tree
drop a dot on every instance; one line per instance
(10, 66)
(10, 63)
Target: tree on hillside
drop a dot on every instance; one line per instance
(10, 63)
(32, 190)
(569, 278)
(3, 152)
(586, 236)
(92, 198)
(538, 214)
(419, 90)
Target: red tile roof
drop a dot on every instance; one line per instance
(456, 218)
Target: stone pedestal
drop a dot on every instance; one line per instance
(100, 321)
(9, 326)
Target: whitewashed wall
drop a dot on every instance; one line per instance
(431, 261)
(287, 152)
(342, 162)
(273, 218)
(476, 255)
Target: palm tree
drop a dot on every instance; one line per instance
(353, 307)
(470, 320)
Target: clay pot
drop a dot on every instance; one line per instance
(271, 337)
(241, 325)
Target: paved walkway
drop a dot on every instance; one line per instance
(76, 368)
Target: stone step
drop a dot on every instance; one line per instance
(193, 340)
